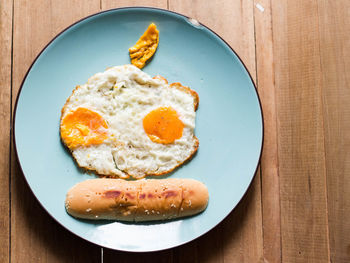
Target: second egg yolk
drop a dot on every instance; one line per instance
(83, 127)
(163, 125)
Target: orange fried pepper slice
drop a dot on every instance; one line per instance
(145, 47)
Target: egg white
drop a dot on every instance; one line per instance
(123, 96)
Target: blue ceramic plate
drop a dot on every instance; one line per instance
(228, 124)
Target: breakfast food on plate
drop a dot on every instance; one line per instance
(141, 200)
(145, 47)
(124, 122)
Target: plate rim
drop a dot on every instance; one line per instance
(147, 8)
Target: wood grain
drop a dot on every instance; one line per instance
(298, 206)
(334, 28)
(300, 131)
(109, 4)
(35, 236)
(5, 124)
(269, 159)
(110, 256)
(242, 238)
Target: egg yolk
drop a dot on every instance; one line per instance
(145, 47)
(83, 127)
(163, 125)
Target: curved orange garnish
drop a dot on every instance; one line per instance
(145, 47)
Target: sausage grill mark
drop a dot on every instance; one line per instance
(112, 194)
(169, 193)
(165, 194)
(116, 194)
(130, 195)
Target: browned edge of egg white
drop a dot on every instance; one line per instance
(175, 85)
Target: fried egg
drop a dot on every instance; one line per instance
(123, 123)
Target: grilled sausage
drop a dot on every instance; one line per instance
(142, 200)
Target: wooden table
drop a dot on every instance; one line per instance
(298, 207)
